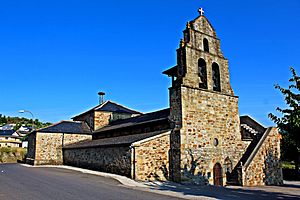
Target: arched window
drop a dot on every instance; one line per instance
(202, 73)
(228, 165)
(228, 169)
(216, 77)
(205, 45)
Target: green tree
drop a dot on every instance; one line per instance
(3, 119)
(289, 121)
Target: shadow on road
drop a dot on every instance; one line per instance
(227, 192)
(291, 186)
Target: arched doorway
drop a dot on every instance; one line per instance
(218, 179)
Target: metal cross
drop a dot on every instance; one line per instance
(201, 11)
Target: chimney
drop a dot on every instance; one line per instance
(101, 97)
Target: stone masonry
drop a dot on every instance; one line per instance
(151, 158)
(48, 147)
(265, 168)
(115, 160)
(206, 142)
(200, 139)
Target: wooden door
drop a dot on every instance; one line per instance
(218, 179)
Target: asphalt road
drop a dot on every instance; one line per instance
(22, 183)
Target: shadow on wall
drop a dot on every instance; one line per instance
(272, 170)
(187, 172)
(165, 172)
(111, 160)
(119, 166)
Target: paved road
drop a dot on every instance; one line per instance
(19, 182)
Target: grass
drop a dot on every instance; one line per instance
(288, 165)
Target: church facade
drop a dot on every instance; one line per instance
(200, 139)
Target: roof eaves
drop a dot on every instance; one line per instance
(98, 145)
(137, 112)
(107, 128)
(41, 129)
(90, 110)
(171, 71)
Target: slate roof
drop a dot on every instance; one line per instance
(110, 106)
(141, 119)
(7, 132)
(171, 72)
(251, 125)
(114, 141)
(67, 127)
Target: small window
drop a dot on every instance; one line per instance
(216, 77)
(205, 45)
(216, 142)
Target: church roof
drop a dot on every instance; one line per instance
(67, 127)
(110, 106)
(114, 141)
(133, 121)
(171, 72)
(251, 125)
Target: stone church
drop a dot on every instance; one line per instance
(199, 139)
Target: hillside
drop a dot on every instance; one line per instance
(19, 121)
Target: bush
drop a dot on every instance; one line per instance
(12, 154)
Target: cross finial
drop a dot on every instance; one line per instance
(201, 11)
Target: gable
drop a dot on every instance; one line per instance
(114, 107)
(108, 106)
(202, 25)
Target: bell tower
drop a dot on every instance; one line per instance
(204, 110)
(200, 61)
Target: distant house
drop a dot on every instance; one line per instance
(9, 138)
(7, 127)
(24, 130)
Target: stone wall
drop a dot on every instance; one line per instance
(151, 158)
(48, 146)
(210, 134)
(265, 168)
(115, 160)
(101, 119)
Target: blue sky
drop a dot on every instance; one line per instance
(56, 55)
